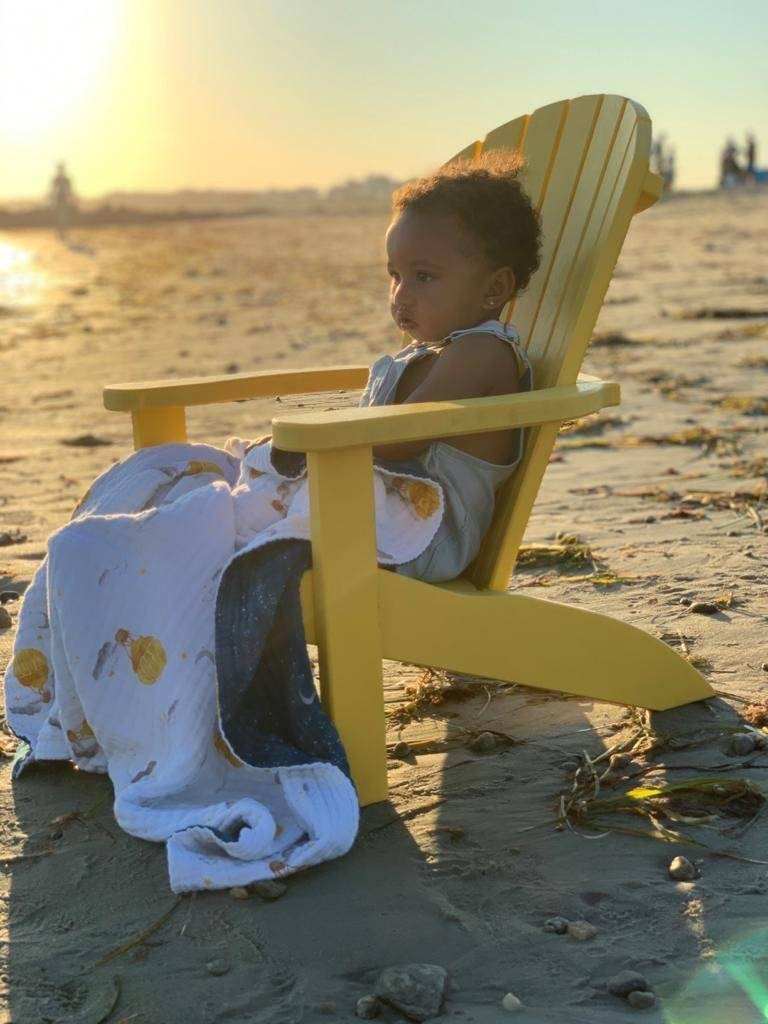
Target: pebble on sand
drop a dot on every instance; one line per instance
(8, 537)
(618, 761)
(641, 1000)
(742, 743)
(484, 743)
(401, 749)
(269, 889)
(217, 967)
(558, 925)
(417, 990)
(704, 608)
(624, 982)
(582, 931)
(7, 596)
(5, 619)
(368, 1007)
(681, 869)
(511, 1003)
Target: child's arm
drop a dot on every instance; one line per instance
(474, 366)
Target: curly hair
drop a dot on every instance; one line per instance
(489, 202)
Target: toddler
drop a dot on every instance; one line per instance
(462, 242)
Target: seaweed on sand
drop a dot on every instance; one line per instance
(744, 500)
(718, 313)
(710, 440)
(757, 466)
(754, 330)
(697, 801)
(612, 339)
(587, 442)
(729, 805)
(747, 405)
(590, 425)
(670, 384)
(568, 550)
(588, 428)
(756, 714)
(433, 689)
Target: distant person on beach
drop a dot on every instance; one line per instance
(668, 171)
(730, 171)
(62, 199)
(663, 161)
(751, 154)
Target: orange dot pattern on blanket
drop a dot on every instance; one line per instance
(196, 466)
(223, 749)
(30, 667)
(421, 497)
(83, 741)
(85, 732)
(147, 654)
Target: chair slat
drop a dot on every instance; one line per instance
(468, 153)
(602, 245)
(574, 144)
(508, 136)
(536, 136)
(540, 145)
(575, 251)
(586, 186)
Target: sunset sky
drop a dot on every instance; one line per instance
(165, 94)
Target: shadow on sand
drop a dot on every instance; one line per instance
(460, 867)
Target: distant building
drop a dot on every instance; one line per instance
(372, 194)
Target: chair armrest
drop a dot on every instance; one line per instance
(653, 187)
(390, 424)
(234, 387)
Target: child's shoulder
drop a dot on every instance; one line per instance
(476, 364)
(487, 351)
(501, 349)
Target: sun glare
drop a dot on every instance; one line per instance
(52, 53)
(19, 279)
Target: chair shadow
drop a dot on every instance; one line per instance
(497, 864)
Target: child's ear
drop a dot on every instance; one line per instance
(501, 287)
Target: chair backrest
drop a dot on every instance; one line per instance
(586, 161)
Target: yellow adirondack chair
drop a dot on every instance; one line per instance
(587, 172)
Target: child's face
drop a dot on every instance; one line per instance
(437, 284)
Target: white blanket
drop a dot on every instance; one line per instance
(114, 664)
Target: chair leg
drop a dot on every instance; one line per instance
(538, 643)
(158, 425)
(345, 607)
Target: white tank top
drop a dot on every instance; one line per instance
(469, 483)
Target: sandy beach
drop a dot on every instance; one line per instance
(467, 861)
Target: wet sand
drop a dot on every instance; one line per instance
(465, 863)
